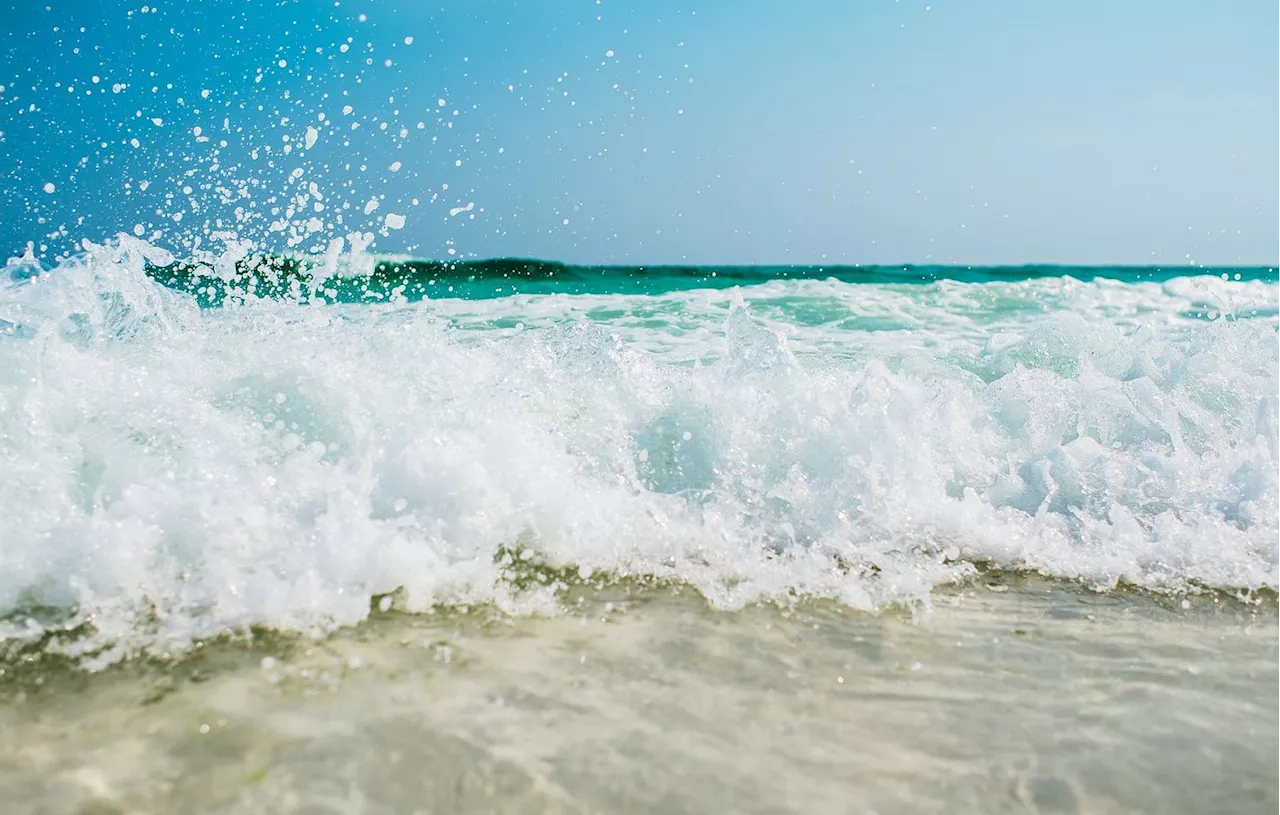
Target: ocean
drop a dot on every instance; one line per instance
(375, 534)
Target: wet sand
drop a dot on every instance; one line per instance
(1018, 696)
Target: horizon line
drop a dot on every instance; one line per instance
(516, 259)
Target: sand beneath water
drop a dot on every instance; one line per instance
(1011, 695)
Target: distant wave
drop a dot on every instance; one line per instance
(383, 278)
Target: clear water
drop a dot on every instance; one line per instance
(1011, 697)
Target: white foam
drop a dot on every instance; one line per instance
(173, 473)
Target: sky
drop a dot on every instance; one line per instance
(663, 131)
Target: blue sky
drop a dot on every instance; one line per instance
(992, 131)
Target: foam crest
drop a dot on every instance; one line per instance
(174, 472)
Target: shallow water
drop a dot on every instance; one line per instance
(1012, 695)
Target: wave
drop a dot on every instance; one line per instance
(372, 279)
(176, 472)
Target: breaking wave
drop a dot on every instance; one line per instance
(175, 471)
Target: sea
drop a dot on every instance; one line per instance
(372, 534)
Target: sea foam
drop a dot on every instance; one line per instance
(173, 472)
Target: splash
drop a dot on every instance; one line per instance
(174, 472)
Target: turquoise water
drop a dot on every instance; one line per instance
(377, 280)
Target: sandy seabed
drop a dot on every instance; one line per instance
(1010, 695)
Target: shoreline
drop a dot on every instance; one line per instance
(1032, 694)
(28, 665)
